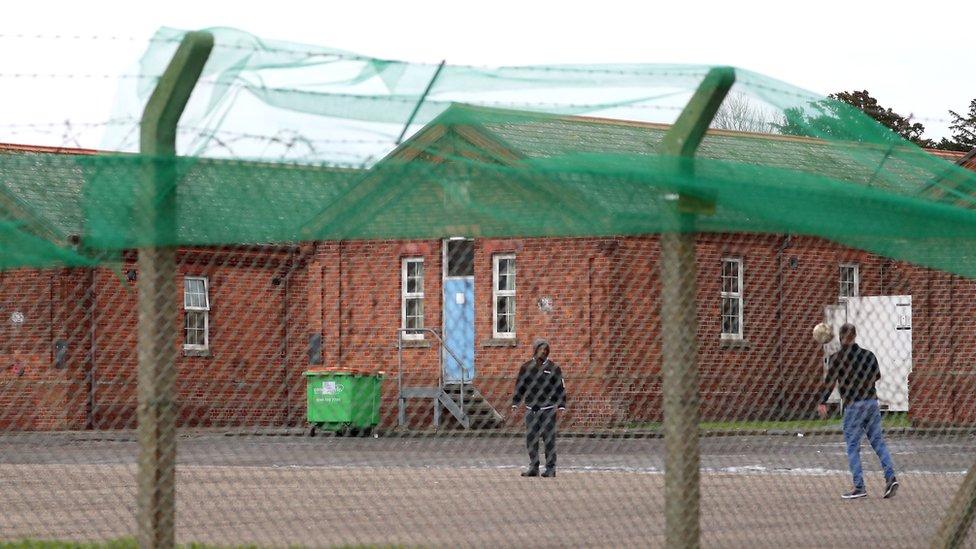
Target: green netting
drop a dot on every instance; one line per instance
(287, 144)
(284, 143)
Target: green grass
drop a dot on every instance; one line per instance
(889, 421)
(124, 543)
(130, 543)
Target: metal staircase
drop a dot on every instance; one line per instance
(479, 412)
(461, 399)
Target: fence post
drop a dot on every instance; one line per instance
(678, 319)
(959, 515)
(156, 206)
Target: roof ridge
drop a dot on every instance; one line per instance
(635, 123)
(48, 149)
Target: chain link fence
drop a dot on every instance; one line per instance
(229, 347)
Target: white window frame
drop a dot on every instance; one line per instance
(405, 296)
(496, 293)
(842, 282)
(205, 309)
(731, 295)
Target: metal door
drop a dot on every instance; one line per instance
(834, 316)
(884, 326)
(458, 311)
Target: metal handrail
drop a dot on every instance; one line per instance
(440, 361)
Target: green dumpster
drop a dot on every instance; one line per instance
(344, 401)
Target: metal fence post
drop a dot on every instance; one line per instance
(679, 320)
(959, 515)
(157, 293)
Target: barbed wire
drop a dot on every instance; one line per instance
(631, 69)
(182, 129)
(21, 36)
(614, 69)
(78, 76)
(411, 99)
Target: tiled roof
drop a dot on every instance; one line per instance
(44, 188)
(967, 160)
(536, 135)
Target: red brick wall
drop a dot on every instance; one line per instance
(250, 377)
(604, 330)
(630, 329)
(33, 394)
(943, 380)
(363, 278)
(114, 362)
(72, 323)
(571, 273)
(604, 325)
(360, 309)
(810, 270)
(775, 370)
(739, 379)
(258, 340)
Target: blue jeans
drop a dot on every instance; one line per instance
(860, 417)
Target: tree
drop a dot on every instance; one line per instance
(833, 118)
(963, 131)
(739, 113)
(818, 119)
(902, 125)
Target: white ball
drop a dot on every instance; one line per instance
(822, 333)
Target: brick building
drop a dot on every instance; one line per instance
(255, 317)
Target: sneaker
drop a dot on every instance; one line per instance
(530, 473)
(549, 473)
(890, 488)
(856, 493)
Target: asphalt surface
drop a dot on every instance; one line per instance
(809, 454)
(280, 491)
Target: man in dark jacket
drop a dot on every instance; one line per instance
(855, 370)
(540, 385)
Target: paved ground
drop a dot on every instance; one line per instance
(756, 491)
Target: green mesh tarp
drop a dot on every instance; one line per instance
(285, 143)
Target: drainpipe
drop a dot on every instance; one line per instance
(52, 303)
(285, 280)
(284, 344)
(296, 257)
(90, 374)
(339, 357)
(780, 359)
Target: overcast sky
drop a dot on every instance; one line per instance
(914, 57)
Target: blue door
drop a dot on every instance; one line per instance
(459, 329)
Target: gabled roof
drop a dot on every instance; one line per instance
(64, 195)
(476, 171)
(967, 160)
(22, 148)
(40, 189)
(529, 135)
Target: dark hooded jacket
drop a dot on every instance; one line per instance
(540, 385)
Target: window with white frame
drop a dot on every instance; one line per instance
(850, 281)
(412, 290)
(196, 313)
(503, 296)
(731, 298)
